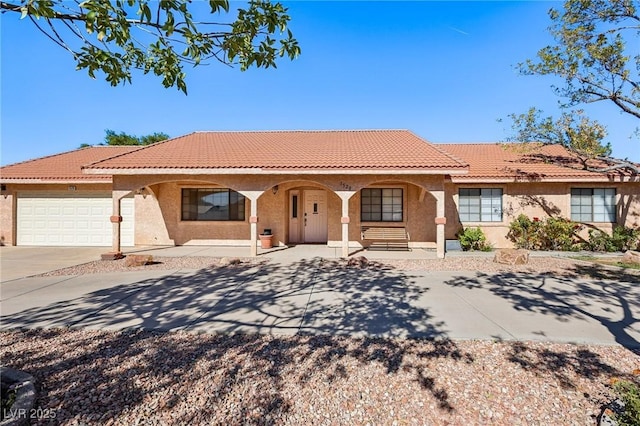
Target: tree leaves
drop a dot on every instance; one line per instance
(574, 131)
(160, 37)
(122, 138)
(592, 53)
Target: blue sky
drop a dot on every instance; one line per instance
(446, 71)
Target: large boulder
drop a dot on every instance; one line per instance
(512, 256)
(631, 256)
(358, 262)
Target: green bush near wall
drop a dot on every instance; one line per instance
(557, 233)
(473, 239)
(552, 233)
(621, 239)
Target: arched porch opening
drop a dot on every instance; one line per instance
(415, 203)
(298, 211)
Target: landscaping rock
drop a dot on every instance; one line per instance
(138, 260)
(24, 385)
(225, 261)
(631, 256)
(112, 255)
(358, 262)
(512, 256)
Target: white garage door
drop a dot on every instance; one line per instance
(70, 220)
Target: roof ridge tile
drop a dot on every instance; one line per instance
(140, 148)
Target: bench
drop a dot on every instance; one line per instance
(385, 238)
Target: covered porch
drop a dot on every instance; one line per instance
(325, 210)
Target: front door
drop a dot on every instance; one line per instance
(315, 216)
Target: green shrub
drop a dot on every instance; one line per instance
(621, 239)
(626, 238)
(629, 393)
(599, 241)
(524, 233)
(558, 233)
(554, 233)
(473, 239)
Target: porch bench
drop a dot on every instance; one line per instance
(385, 237)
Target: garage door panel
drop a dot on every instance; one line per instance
(71, 220)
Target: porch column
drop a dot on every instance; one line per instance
(253, 219)
(345, 196)
(441, 221)
(116, 219)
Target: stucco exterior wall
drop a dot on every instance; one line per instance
(169, 226)
(158, 214)
(538, 199)
(158, 207)
(7, 226)
(418, 215)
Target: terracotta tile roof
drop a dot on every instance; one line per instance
(522, 162)
(288, 150)
(64, 167)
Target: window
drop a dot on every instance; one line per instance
(381, 205)
(294, 206)
(212, 204)
(593, 204)
(480, 204)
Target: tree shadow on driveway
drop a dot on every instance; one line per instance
(154, 370)
(310, 296)
(610, 297)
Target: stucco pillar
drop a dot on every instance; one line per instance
(441, 221)
(345, 196)
(253, 219)
(115, 219)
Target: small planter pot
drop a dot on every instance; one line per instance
(266, 241)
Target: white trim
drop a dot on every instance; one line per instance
(294, 223)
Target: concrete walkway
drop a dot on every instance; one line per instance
(310, 295)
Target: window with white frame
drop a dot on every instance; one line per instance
(480, 204)
(593, 204)
(381, 205)
(212, 204)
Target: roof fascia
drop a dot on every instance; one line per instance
(55, 181)
(464, 179)
(257, 171)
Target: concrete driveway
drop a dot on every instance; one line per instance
(18, 262)
(313, 296)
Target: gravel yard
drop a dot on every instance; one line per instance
(551, 265)
(143, 377)
(133, 377)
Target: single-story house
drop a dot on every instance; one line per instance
(326, 187)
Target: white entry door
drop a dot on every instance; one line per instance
(71, 219)
(315, 216)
